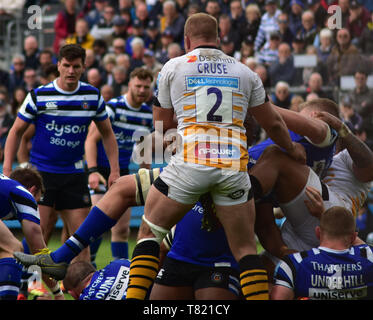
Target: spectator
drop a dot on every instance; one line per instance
(195, 8)
(138, 49)
(227, 45)
(247, 50)
(153, 34)
(283, 69)
(283, 25)
(182, 7)
(142, 13)
(253, 18)
(269, 55)
(31, 81)
(261, 70)
(81, 35)
(19, 96)
(366, 39)
(31, 52)
(120, 26)
(150, 62)
(94, 78)
(213, 8)
(326, 44)
(104, 28)
(109, 62)
(107, 92)
(48, 74)
(172, 20)
(138, 31)
(251, 63)
(343, 59)
(361, 97)
(4, 78)
(315, 85)
(120, 80)
(308, 30)
(357, 21)
(16, 75)
(119, 46)
(349, 115)
(123, 60)
(166, 39)
(268, 24)
(345, 9)
(295, 103)
(226, 31)
(311, 96)
(95, 15)
(319, 12)
(295, 16)
(307, 71)
(100, 49)
(282, 96)
(45, 59)
(174, 50)
(65, 24)
(298, 45)
(237, 15)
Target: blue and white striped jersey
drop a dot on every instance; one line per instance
(61, 121)
(322, 273)
(126, 120)
(17, 202)
(109, 283)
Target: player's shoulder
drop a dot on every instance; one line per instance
(84, 86)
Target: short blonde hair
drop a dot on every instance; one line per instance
(254, 8)
(201, 26)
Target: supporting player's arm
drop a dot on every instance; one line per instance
(23, 153)
(90, 145)
(360, 153)
(12, 143)
(272, 122)
(111, 148)
(314, 129)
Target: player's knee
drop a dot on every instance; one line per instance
(152, 231)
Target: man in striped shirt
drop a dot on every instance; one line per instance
(130, 116)
(62, 112)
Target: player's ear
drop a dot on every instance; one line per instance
(317, 232)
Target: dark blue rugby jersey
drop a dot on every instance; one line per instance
(17, 202)
(198, 246)
(323, 273)
(109, 283)
(61, 121)
(126, 120)
(319, 159)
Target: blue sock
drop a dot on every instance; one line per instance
(26, 249)
(93, 248)
(96, 223)
(10, 278)
(119, 250)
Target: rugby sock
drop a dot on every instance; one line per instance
(93, 248)
(10, 278)
(253, 278)
(26, 249)
(143, 269)
(119, 250)
(96, 223)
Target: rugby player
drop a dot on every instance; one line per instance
(62, 112)
(19, 195)
(333, 270)
(129, 113)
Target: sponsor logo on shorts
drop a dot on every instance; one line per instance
(237, 194)
(217, 277)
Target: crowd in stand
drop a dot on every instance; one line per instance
(267, 35)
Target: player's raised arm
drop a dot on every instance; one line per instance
(360, 153)
(271, 121)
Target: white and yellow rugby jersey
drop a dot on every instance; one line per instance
(342, 182)
(210, 93)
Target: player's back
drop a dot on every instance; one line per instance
(323, 273)
(109, 283)
(16, 201)
(210, 93)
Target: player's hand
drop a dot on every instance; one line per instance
(112, 178)
(315, 204)
(331, 120)
(94, 180)
(298, 153)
